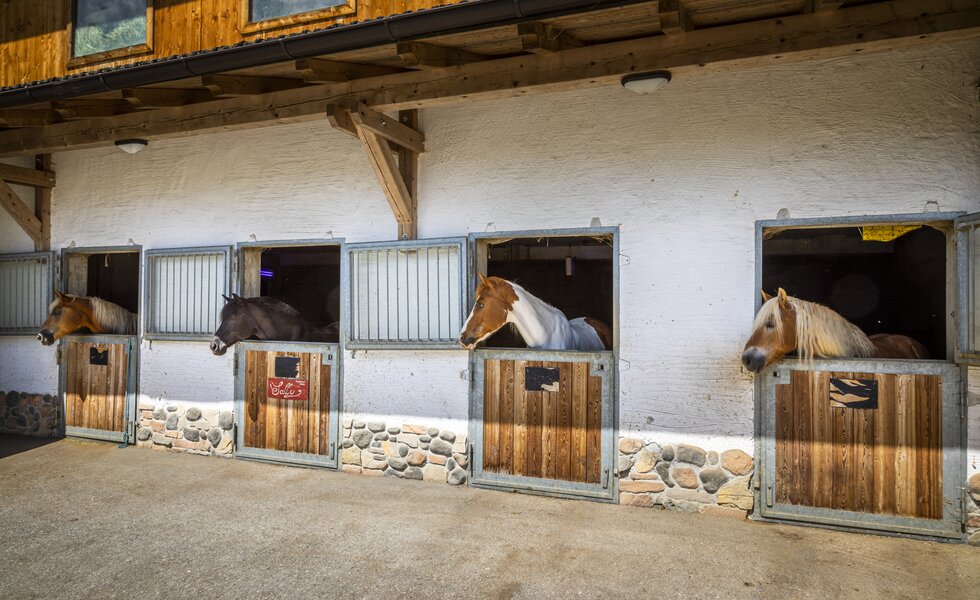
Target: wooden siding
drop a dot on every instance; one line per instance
(35, 44)
(287, 425)
(95, 395)
(885, 461)
(548, 435)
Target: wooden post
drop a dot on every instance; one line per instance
(408, 166)
(42, 204)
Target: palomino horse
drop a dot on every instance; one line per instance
(786, 324)
(499, 302)
(265, 318)
(68, 314)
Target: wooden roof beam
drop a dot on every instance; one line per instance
(28, 117)
(165, 97)
(320, 70)
(24, 176)
(388, 128)
(674, 18)
(538, 37)
(243, 85)
(419, 55)
(89, 108)
(42, 201)
(813, 6)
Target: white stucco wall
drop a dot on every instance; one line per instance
(685, 173)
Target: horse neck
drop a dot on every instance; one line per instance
(821, 331)
(278, 325)
(537, 321)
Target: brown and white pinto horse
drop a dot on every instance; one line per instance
(786, 324)
(68, 314)
(499, 302)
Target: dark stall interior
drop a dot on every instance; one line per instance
(115, 277)
(574, 274)
(306, 278)
(897, 286)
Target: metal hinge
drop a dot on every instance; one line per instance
(57, 355)
(333, 449)
(605, 478)
(964, 392)
(234, 364)
(469, 459)
(770, 495)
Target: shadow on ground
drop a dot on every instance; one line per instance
(88, 520)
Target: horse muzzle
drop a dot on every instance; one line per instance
(218, 347)
(467, 341)
(754, 359)
(45, 337)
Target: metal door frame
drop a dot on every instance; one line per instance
(947, 221)
(953, 436)
(131, 342)
(601, 364)
(332, 358)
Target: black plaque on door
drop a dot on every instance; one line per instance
(541, 379)
(287, 366)
(98, 357)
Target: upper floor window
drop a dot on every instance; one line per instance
(264, 14)
(106, 29)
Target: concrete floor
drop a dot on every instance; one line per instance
(87, 520)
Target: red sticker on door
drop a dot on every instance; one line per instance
(281, 388)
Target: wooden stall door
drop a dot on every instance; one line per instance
(883, 460)
(95, 387)
(553, 432)
(275, 421)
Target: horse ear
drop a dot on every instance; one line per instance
(484, 280)
(765, 297)
(59, 295)
(783, 298)
(227, 299)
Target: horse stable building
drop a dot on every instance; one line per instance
(649, 164)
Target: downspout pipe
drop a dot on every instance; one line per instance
(465, 16)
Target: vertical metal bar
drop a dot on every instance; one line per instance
(387, 293)
(418, 299)
(377, 286)
(428, 293)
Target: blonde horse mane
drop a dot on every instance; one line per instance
(111, 317)
(820, 332)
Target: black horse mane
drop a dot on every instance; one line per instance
(269, 303)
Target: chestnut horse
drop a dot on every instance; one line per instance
(265, 318)
(499, 302)
(68, 314)
(786, 324)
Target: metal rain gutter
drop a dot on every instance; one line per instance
(466, 16)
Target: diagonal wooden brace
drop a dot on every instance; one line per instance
(22, 215)
(396, 168)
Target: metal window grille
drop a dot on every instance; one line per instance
(26, 283)
(406, 294)
(968, 288)
(183, 291)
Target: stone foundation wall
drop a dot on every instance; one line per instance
(29, 414)
(406, 451)
(185, 429)
(684, 477)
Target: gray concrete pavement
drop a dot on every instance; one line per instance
(87, 520)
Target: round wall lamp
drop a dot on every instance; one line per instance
(131, 146)
(646, 83)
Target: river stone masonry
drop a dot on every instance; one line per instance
(202, 431)
(684, 477)
(405, 451)
(29, 414)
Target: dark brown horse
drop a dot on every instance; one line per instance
(68, 314)
(786, 324)
(265, 318)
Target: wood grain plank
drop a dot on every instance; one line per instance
(122, 387)
(579, 434)
(580, 383)
(904, 451)
(821, 436)
(520, 419)
(784, 420)
(491, 415)
(533, 410)
(324, 416)
(885, 450)
(549, 428)
(506, 416)
(593, 437)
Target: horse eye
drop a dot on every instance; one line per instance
(479, 305)
(56, 312)
(770, 324)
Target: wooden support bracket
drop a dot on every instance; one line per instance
(674, 18)
(538, 37)
(396, 168)
(37, 225)
(419, 55)
(21, 214)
